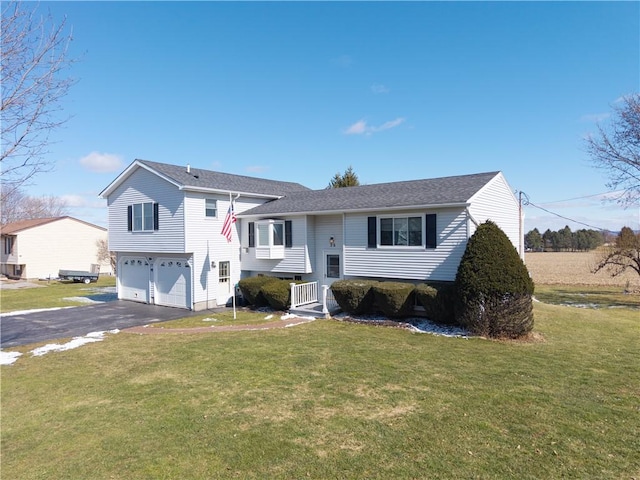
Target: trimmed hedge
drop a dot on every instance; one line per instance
(277, 294)
(251, 289)
(438, 301)
(394, 299)
(354, 297)
(494, 289)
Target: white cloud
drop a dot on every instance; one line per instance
(594, 117)
(102, 162)
(379, 89)
(361, 127)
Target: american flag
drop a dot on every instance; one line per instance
(229, 220)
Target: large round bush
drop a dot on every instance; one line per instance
(251, 288)
(354, 297)
(394, 299)
(493, 287)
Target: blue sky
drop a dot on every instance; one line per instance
(299, 91)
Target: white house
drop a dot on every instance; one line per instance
(40, 247)
(165, 224)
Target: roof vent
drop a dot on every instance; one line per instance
(188, 168)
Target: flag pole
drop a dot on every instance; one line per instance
(231, 279)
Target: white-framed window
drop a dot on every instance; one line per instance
(270, 233)
(142, 217)
(401, 231)
(210, 207)
(223, 272)
(270, 237)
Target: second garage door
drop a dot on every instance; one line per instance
(173, 282)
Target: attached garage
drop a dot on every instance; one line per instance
(133, 278)
(173, 282)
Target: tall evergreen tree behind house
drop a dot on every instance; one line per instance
(347, 179)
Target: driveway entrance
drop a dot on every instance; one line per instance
(23, 329)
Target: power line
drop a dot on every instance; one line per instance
(526, 201)
(620, 192)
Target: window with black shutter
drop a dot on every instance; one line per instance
(252, 234)
(372, 233)
(288, 234)
(431, 230)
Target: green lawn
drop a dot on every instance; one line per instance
(333, 400)
(49, 294)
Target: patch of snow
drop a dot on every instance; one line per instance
(71, 344)
(287, 316)
(8, 358)
(210, 319)
(81, 300)
(35, 310)
(305, 320)
(268, 317)
(416, 325)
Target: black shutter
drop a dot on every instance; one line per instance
(156, 225)
(288, 234)
(431, 231)
(130, 218)
(252, 234)
(372, 233)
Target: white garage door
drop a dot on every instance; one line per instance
(173, 282)
(134, 279)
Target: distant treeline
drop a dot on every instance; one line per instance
(564, 240)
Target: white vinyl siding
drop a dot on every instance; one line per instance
(440, 263)
(327, 227)
(296, 258)
(496, 202)
(210, 247)
(145, 187)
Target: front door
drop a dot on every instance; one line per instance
(332, 267)
(224, 282)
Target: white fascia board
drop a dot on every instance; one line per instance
(357, 210)
(188, 188)
(127, 172)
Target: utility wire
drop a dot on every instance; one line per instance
(526, 201)
(585, 196)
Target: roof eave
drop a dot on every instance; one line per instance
(191, 188)
(358, 210)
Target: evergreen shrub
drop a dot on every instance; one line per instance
(438, 300)
(354, 297)
(278, 294)
(493, 287)
(394, 299)
(251, 289)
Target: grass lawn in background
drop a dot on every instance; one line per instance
(50, 294)
(333, 400)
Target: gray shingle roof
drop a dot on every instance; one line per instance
(207, 179)
(435, 191)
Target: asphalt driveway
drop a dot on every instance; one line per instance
(27, 328)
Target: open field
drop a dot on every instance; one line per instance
(574, 268)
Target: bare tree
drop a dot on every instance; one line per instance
(104, 255)
(34, 58)
(623, 254)
(16, 206)
(616, 149)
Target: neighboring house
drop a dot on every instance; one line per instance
(40, 247)
(165, 224)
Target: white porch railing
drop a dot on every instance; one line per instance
(307, 293)
(303, 294)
